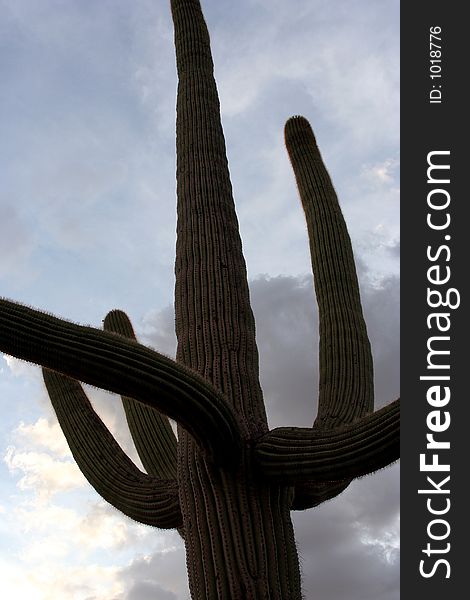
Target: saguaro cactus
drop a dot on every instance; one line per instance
(225, 482)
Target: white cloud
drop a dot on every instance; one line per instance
(44, 434)
(87, 540)
(65, 582)
(36, 517)
(89, 551)
(18, 583)
(339, 68)
(20, 368)
(382, 172)
(388, 544)
(106, 528)
(43, 473)
(40, 455)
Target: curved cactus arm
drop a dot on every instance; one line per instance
(151, 431)
(346, 372)
(295, 455)
(110, 471)
(308, 494)
(125, 367)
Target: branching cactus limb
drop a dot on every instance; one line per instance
(114, 363)
(346, 375)
(294, 454)
(151, 431)
(144, 498)
(346, 369)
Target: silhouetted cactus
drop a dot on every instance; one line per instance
(226, 483)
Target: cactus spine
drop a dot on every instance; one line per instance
(226, 483)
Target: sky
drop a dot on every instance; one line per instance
(87, 224)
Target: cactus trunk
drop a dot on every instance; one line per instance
(238, 533)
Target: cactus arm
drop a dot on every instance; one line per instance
(214, 321)
(109, 470)
(125, 367)
(346, 372)
(151, 431)
(294, 455)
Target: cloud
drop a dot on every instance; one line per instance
(382, 172)
(44, 434)
(18, 584)
(20, 368)
(89, 550)
(58, 520)
(330, 65)
(78, 532)
(69, 583)
(337, 551)
(41, 456)
(358, 533)
(106, 528)
(287, 334)
(160, 572)
(147, 590)
(81, 149)
(42, 473)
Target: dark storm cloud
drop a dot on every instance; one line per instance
(287, 336)
(161, 575)
(148, 590)
(349, 545)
